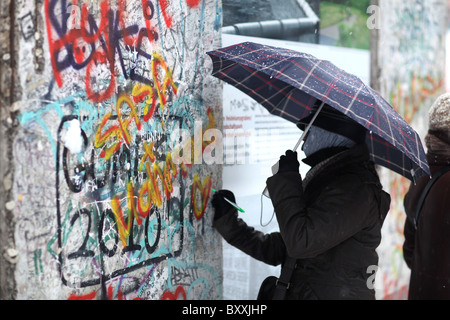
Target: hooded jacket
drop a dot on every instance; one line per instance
(330, 222)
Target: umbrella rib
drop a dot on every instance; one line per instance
(417, 149)
(275, 56)
(385, 116)
(390, 165)
(333, 69)
(317, 64)
(348, 108)
(418, 152)
(255, 62)
(241, 83)
(255, 73)
(287, 98)
(309, 74)
(390, 127)
(270, 67)
(403, 137)
(372, 145)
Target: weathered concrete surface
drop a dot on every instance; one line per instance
(95, 202)
(9, 93)
(408, 70)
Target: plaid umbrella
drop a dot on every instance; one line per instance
(289, 83)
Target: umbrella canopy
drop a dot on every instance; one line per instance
(289, 84)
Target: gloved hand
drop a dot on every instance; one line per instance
(221, 206)
(289, 162)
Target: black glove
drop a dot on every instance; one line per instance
(289, 162)
(221, 206)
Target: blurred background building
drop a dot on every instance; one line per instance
(293, 20)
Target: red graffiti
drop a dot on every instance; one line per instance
(78, 40)
(92, 295)
(92, 47)
(192, 3)
(148, 12)
(164, 4)
(74, 38)
(89, 296)
(393, 290)
(179, 292)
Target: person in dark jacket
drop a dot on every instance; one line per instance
(427, 250)
(330, 221)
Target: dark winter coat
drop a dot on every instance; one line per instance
(330, 222)
(427, 250)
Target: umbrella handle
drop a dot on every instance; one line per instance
(276, 166)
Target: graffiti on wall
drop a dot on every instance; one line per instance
(411, 41)
(129, 220)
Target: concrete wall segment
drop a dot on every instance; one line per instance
(101, 210)
(408, 66)
(9, 95)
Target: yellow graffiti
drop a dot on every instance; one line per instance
(123, 227)
(408, 102)
(148, 154)
(124, 124)
(116, 134)
(200, 195)
(139, 93)
(168, 80)
(158, 182)
(112, 135)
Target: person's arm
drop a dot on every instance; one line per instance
(409, 232)
(341, 210)
(410, 203)
(268, 248)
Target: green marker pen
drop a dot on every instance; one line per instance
(231, 202)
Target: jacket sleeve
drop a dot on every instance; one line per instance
(340, 211)
(409, 243)
(268, 248)
(410, 204)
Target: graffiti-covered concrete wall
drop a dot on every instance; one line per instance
(107, 166)
(409, 67)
